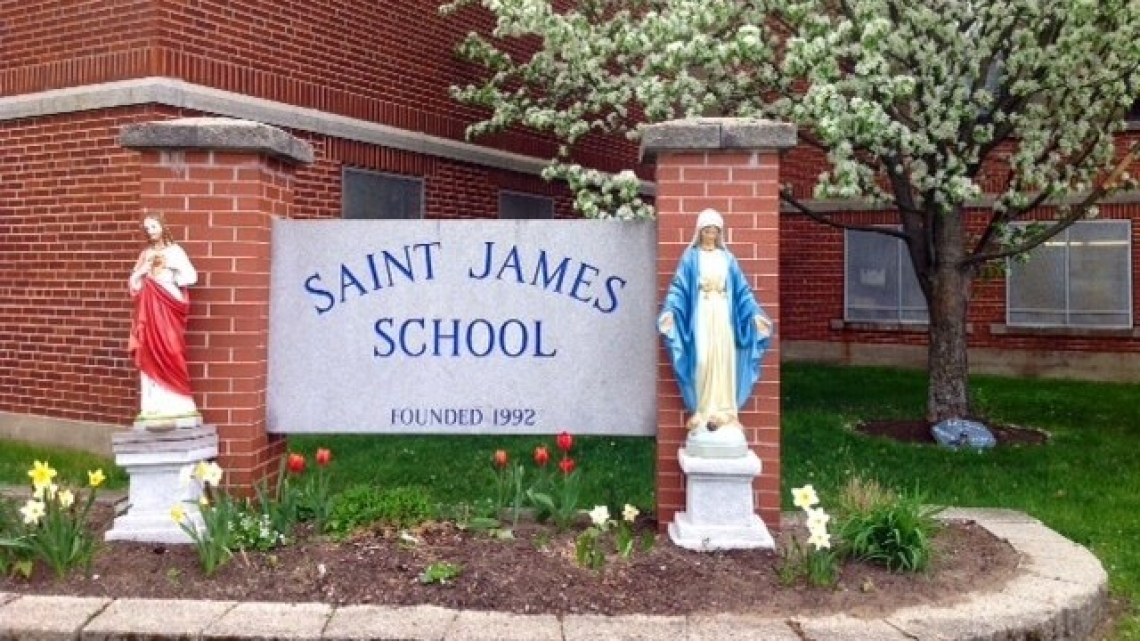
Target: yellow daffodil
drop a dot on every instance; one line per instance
(804, 497)
(66, 498)
(33, 511)
(42, 474)
(96, 478)
(178, 513)
(629, 513)
(204, 501)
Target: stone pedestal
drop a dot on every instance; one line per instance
(167, 423)
(719, 512)
(154, 461)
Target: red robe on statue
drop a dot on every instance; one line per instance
(158, 338)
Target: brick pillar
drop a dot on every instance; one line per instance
(733, 166)
(220, 183)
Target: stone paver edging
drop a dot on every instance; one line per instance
(1059, 593)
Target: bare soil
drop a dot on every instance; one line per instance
(535, 572)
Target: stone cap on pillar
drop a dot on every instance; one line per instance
(711, 134)
(217, 134)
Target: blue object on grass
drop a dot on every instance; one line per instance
(960, 432)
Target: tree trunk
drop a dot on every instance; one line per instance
(948, 388)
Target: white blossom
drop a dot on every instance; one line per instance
(920, 107)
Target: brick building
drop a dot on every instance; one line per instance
(365, 84)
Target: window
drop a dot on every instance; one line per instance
(368, 194)
(1080, 278)
(880, 285)
(513, 205)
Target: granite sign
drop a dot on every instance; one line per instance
(478, 326)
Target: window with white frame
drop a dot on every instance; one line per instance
(372, 195)
(516, 205)
(1080, 278)
(879, 281)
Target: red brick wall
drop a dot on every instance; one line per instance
(389, 62)
(801, 167)
(451, 189)
(69, 233)
(811, 262)
(221, 206)
(49, 44)
(746, 193)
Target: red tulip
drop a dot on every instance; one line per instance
(565, 441)
(541, 456)
(566, 465)
(296, 463)
(500, 459)
(323, 456)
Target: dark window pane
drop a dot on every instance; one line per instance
(516, 206)
(371, 195)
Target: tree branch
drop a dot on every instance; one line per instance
(786, 196)
(1104, 185)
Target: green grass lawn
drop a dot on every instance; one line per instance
(16, 459)
(1085, 483)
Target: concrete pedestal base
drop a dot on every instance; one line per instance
(719, 512)
(154, 461)
(167, 423)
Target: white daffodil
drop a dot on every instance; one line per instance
(820, 540)
(65, 498)
(600, 515)
(33, 511)
(201, 470)
(629, 513)
(212, 475)
(817, 519)
(804, 497)
(45, 492)
(178, 513)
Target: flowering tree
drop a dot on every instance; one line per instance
(916, 103)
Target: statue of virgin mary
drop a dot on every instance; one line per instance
(714, 329)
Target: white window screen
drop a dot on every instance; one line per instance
(372, 195)
(880, 285)
(514, 205)
(1080, 278)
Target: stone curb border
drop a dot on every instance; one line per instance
(1060, 593)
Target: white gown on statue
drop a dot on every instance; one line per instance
(715, 343)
